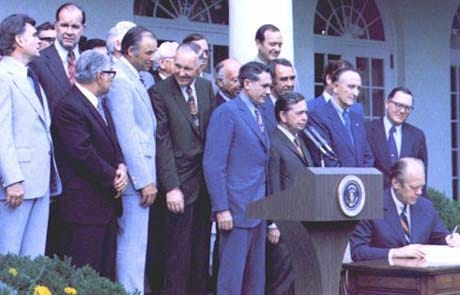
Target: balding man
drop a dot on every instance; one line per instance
(227, 80)
(164, 60)
(183, 104)
(409, 220)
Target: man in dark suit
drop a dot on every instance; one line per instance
(91, 166)
(269, 41)
(183, 104)
(342, 126)
(408, 220)
(56, 65)
(288, 156)
(55, 70)
(227, 80)
(283, 81)
(235, 169)
(393, 131)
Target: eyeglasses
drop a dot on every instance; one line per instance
(47, 39)
(111, 73)
(400, 106)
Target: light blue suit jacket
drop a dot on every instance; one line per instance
(235, 161)
(135, 125)
(26, 149)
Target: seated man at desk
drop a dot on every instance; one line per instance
(409, 221)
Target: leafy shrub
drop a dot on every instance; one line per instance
(448, 209)
(45, 276)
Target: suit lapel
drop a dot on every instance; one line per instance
(203, 106)
(406, 141)
(391, 216)
(339, 127)
(56, 67)
(379, 135)
(251, 122)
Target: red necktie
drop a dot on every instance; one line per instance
(71, 66)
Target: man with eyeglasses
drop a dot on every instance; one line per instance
(46, 34)
(203, 55)
(408, 223)
(91, 165)
(391, 137)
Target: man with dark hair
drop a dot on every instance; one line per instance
(235, 169)
(269, 42)
(56, 65)
(409, 220)
(283, 82)
(28, 173)
(288, 156)
(183, 103)
(391, 137)
(92, 167)
(341, 125)
(96, 43)
(47, 34)
(201, 41)
(227, 80)
(135, 125)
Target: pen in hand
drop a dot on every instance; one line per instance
(454, 231)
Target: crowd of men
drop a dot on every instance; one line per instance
(119, 154)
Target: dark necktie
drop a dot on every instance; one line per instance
(347, 123)
(299, 148)
(259, 120)
(142, 80)
(392, 146)
(34, 78)
(71, 66)
(405, 224)
(100, 109)
(192, 106)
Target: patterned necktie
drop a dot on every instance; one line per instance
(34, 78)
(392, 146)
(405, 224)
(347, 123)
(299, 148)
(100, 109)
(192, 106)
(259, 120)
(71, 66)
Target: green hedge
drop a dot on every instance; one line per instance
(45, 276)
(448, 209)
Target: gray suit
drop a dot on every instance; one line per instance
(26, 155)
(135, 125)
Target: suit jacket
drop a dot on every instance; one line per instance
(285, 162)
(26, 149)
(267, 109)
(52, 75)
(373, 239)
(180, 144)
(88, 154)
(235, 161)
(219, 99)
(135, 125)
(329, 125)
(412, 145)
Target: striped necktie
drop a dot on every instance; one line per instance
(405, 223)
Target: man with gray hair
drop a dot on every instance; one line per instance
(164, 60)
(227, 80)
(93, 172)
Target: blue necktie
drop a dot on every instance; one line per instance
(34, 78)
(259, 121)
(347, 123)
(392, 146)
(100, 109)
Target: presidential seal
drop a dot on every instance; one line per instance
(351, 195)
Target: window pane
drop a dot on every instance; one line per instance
(377, 72)
(363, 98)
(377, 103)
(318, 90)
(219, 53)
(319, 67)
(362, 65)
(454, 167)
(455, 188)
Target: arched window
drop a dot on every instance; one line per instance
(455, 102)
(354, 30)
(203, 11)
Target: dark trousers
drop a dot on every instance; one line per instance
(279, 277)
(187, 249)
(155, 247)
(54, 224)
(94, 245)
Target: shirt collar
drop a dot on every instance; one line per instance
(224, 96)
(192, 85)
(327, 96)
(252, 107)
(387, 124)
(399, 205)
(88, 94)
(286, 132)
(337, 107)
(63, 53)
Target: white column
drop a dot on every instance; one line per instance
(246, 16)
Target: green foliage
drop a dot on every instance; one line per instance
(7, 290)
(23, 275)
(448, 209)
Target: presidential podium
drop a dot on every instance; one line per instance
(316, 217)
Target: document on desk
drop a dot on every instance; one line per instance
(437, 255)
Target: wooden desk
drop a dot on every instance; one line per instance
(378, 278)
